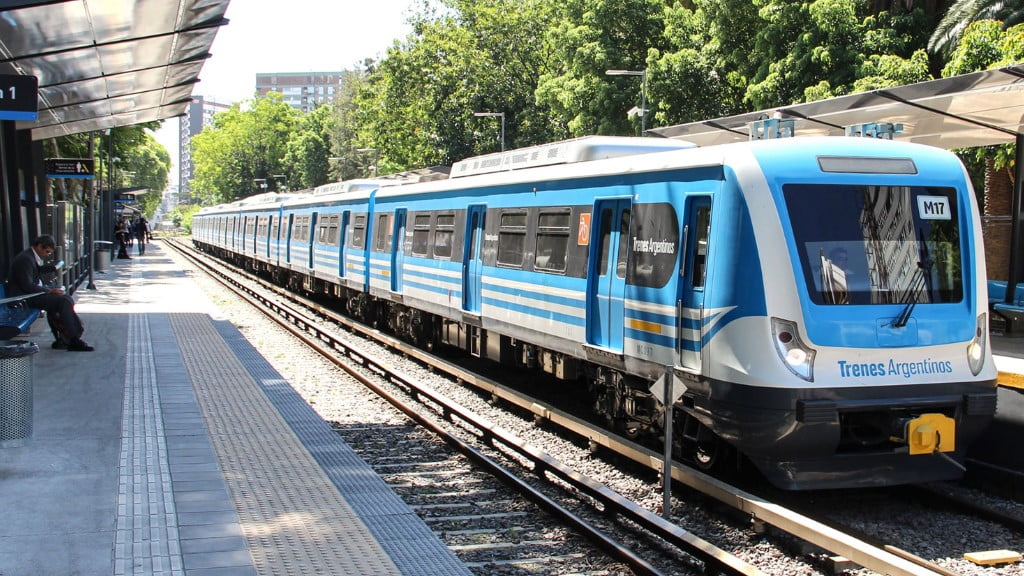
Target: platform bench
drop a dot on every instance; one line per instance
(15, 314)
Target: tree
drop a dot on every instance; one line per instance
(962, 13)
(416, 107)
(588, 37)
(150, 163)
(813, 49)
(308, 150)
(242, 148)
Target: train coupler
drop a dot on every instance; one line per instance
(928, 434)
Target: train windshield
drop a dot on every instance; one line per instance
(877, 244)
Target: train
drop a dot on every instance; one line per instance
(818, 303)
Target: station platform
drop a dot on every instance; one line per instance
(175, 448)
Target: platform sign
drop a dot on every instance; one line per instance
(68, 167)
(19, 97)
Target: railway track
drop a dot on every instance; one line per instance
(709, 557)
(838, 545)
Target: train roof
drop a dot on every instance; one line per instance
(654, 158)
(585, 149)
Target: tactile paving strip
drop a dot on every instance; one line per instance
(294, 520)
(410, 543)
(146, 540)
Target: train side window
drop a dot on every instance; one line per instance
(332, 230)
(383, 242)
(552, 240)
(700, 254)
(620, 263)
(421, 235)
(323, 231)
(606, 239)
(512, 238)
(359, 231)
(443, 235)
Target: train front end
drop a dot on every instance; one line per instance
(877, 369)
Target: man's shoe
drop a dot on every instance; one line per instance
(79, 345)
(59, 344)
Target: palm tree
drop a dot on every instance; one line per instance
(963, 12)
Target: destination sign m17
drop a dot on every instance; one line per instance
(68, 167)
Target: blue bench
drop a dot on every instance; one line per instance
(1012, 311)
(16, 317)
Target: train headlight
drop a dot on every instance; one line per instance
(796, 355)
(976, 349)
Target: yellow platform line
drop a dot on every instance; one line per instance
(1011, 380)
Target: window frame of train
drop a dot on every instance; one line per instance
(359, 231)
(421, 235)
(327, 230)
(382, 240)
(509, 229)
(274, 235)
(553, 231)
(444, 227)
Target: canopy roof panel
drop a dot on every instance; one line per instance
(977, 109)
(107, 63)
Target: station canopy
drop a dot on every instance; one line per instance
(977, 109)
(107, 63)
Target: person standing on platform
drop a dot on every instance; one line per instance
(120, 235)
(141, 232)
(25, 277)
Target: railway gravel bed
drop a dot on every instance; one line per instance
(361, 418)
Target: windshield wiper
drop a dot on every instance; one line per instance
(921, 280)
(911, 297)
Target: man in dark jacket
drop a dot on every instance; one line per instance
(25, 277)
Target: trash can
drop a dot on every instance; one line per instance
(16, 392)
(103, 251)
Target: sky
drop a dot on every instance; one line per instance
(291, 36)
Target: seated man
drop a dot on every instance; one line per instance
(26, 278)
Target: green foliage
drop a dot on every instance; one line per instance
(182, 215)
(948, 34)
(308, 149)
(587, 38)
(814, 49)
(242, 147)
(150, 163)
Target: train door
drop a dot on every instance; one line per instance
(342, 235)
(607, 274)
(310, 239)
(693, 268)
(471, 260)
(269, 235)
(398, 250)
(287, 235)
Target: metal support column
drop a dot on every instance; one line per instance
(1016, 271)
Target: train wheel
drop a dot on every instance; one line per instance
(709, 453)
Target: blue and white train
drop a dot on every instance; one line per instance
(820, 301)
